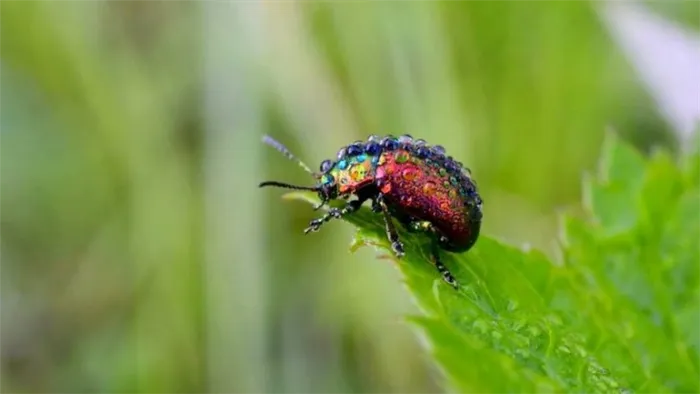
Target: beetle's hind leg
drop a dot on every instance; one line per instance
(427, 227)
(334, 213)
(446, 274)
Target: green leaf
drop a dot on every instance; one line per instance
(613, 194)
(619, 315)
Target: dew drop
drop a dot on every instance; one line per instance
(564, 349)
(325, 165)
(422, 152)
(354, 149)
(342, 152)
(409, 174)
(480, 326)
(390, 143)
(429, 188)
(402, 157)
(373, 148)
(406, 138)
(357, 172)
(380, 173)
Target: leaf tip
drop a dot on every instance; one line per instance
(303, 196)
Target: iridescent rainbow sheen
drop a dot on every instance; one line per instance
(417, 182)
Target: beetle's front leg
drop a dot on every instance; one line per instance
(333, 213)
(376, 205)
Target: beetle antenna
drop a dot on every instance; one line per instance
(287, 186)
(283, 149)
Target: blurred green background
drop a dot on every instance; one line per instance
(138, 254)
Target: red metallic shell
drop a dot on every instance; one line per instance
(422, 189)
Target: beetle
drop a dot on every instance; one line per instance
(405, 179)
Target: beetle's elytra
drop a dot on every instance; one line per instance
(406, 180)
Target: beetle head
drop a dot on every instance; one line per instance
(325, 186)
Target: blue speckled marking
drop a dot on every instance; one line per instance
(343, 164)
(361, 158)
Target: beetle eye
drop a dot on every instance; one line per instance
(325, 165)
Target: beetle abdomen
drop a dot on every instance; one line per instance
(424, 189)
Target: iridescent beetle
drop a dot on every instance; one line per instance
(405, 179)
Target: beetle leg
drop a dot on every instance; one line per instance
(425, 226)
(376, 206)
(391, 233)
(446, 274)
(333, 213)
(320, 205)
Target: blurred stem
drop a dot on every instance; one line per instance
(235, 277)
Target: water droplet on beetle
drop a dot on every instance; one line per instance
(402, 158)
(380, 173)
(409, 174)
(429, 188)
